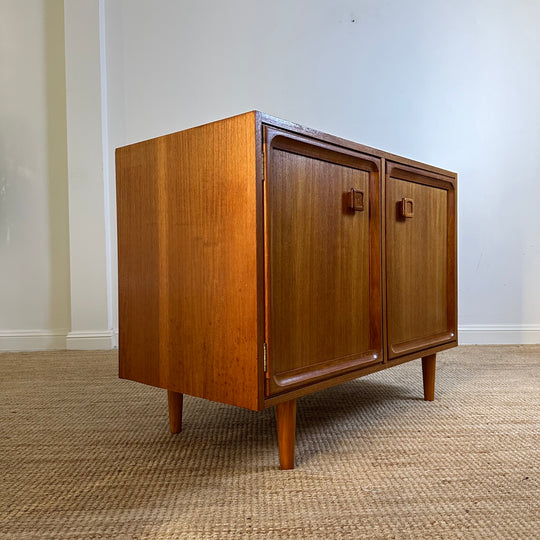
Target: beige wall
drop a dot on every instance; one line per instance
(91, 326)
(34, 245)
(55, 282)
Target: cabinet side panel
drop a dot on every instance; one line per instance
(138, 262)
(201, 265)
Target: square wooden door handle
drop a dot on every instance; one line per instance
(356, 200)
(406, 208)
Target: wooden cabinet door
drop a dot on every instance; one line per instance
(420, 259)
(322, 257)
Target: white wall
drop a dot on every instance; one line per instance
(91, 292)
(34, 245)
(55, 261)
(453, 83)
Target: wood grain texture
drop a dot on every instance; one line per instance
(176, 404)
(361, 372)
(286, 431)
(428, 376)
(420, 261)
(188, 265)
(138, 263)
(213, 263)
(324, 262)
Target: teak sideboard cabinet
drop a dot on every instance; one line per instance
(260, 261)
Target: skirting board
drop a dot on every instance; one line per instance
(499, 334)
(32, 340)
(90, 340)
(42, 340)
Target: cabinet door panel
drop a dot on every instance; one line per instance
(323, 278)
(420, 260)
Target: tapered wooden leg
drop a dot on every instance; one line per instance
(286, 427)
(176, 401)
(428, 375)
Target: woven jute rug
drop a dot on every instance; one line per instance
(84, 454)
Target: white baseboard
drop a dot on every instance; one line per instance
(499, 334)
(91, 340)
(32, 340)
(41, 340)
(46, 340)
(115, 339)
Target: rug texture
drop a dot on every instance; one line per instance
(85, 455)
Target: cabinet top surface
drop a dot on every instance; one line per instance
(263, 119)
